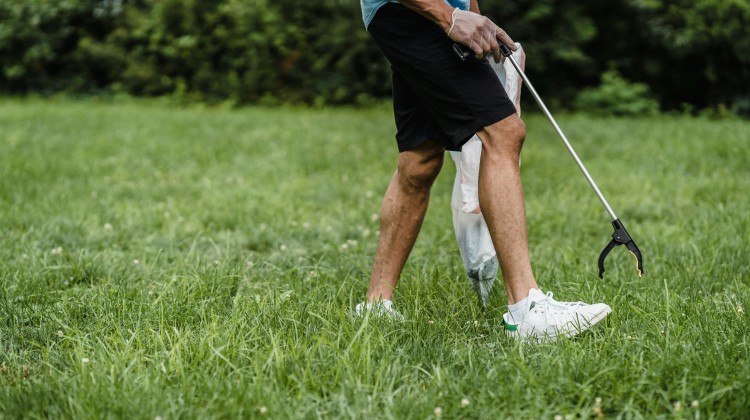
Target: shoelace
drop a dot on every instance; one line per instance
(550, 301)
(571, 304)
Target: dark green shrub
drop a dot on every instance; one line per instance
(694, 52)
(54, 46)
(617, 96)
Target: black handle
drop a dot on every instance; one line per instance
(505, 50)
(465, 52)
(621, 237)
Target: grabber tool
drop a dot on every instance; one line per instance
(620, 235)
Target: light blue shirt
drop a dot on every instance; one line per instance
(370, 7)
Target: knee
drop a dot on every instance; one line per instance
(518, 133)
(418, 176)
(504, 138)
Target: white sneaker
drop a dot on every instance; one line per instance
(544, 317)
(379, 309)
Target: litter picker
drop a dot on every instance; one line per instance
(620, 235)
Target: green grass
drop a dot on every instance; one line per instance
(203, 263)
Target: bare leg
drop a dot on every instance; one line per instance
(501, 200)
(401, 216)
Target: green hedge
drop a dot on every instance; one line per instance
(694, 52)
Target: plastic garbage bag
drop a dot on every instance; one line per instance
(473, 237)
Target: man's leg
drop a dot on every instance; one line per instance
(501, 201)
(401, 215)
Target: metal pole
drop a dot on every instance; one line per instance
(564, 139)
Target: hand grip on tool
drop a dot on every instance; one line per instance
(620, 235)
(464, 52)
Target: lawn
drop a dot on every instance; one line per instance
(164, 262)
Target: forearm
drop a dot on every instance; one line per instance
(437, 11)
(474, 6)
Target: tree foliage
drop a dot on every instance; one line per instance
(686, 51)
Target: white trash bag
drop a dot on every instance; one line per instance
(473, 237)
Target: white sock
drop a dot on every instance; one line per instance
(517, 309)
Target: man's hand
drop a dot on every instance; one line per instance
(479, 33)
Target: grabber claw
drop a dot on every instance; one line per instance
(621, 237)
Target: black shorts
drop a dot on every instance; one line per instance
(436, 96)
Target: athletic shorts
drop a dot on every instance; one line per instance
(436, 96)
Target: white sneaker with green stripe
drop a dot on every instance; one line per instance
(545, 318)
